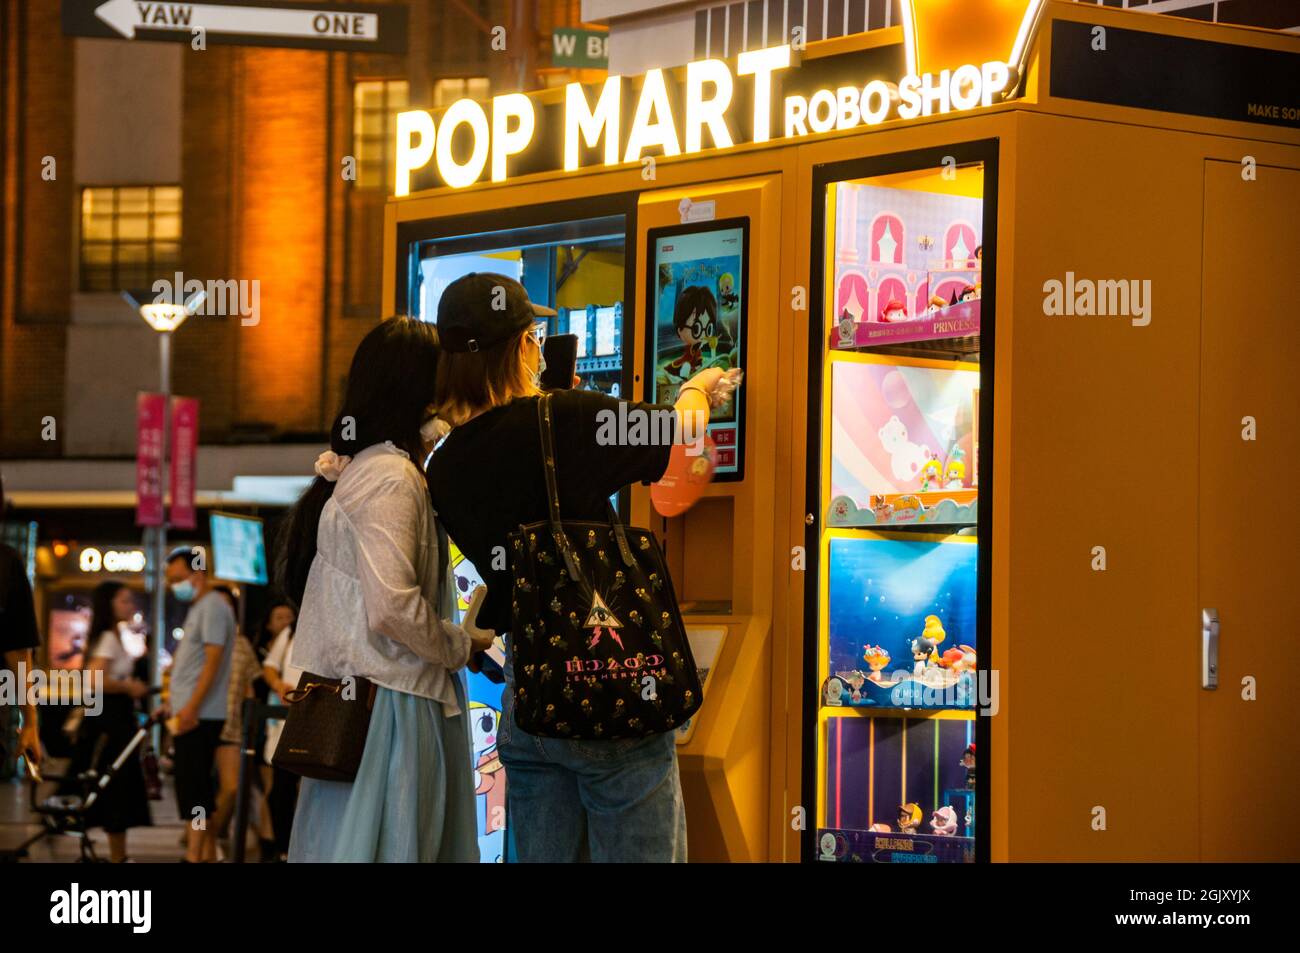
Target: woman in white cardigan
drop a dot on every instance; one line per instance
(363, 560)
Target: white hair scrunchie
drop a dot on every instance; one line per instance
(331, 466)
(434, 429)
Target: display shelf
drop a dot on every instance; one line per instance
(897, 789)
(903, 442)
(845, 711)
(951, 349)
(957, 322)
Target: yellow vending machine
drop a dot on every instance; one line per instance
(996, 562)
(708, 257)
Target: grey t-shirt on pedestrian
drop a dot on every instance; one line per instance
(209, 622)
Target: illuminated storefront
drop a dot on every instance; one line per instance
(987, 273)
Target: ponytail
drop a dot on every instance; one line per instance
(296, 544)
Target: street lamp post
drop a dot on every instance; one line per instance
(164, 317)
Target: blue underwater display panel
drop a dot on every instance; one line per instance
(901, 617)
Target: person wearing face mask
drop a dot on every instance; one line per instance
(199, 686)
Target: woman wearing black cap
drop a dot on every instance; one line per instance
(567, 800)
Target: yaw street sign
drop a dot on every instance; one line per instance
(344, 27)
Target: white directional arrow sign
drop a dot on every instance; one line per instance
(307, 25)
(125, 16)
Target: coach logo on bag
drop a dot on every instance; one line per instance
(579, 667)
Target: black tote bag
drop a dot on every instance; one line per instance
(600, 651)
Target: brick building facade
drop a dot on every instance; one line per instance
(251, 144)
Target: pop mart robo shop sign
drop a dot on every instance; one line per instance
(710, 104)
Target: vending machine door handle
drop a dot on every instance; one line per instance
(1209, 649)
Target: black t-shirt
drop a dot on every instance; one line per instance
(487, 478)
(17, 611)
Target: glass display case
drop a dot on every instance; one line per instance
(897, 641)
(577, 267)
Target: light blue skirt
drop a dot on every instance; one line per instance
(412, 800)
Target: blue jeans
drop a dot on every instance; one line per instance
(603, 801)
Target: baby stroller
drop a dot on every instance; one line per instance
(69, 813)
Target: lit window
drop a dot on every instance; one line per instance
(130, 235)
(446, 91)
(375, 105)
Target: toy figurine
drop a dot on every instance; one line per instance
(828, 846)
(876, 658)
(952, 659)
(880, 829)
(944, 821)
(934, 632)
(893, 312)
(922, 649)
(834, 692)
(854, 680)
(931, 474)
(968, 762)
(848, 329)
(936, 305)
(964, 293)
(909, 818)
(964, 668)
(954, 474)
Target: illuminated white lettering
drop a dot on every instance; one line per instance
(506, 141)
(412, 155)
(935, 93)
(879, 92)
(707, 112)
(994, 78)
(846, 97)
(796, 116)
(460, 174)
(652, 125)
(762, 64)
(910, 97)
(591, 124)
(821, 111)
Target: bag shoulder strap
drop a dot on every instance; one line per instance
(552, 489)
(548, 457)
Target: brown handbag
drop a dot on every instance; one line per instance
(324, 734)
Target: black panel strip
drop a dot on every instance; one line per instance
(1175, 74)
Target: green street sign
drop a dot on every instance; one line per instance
(580, 49)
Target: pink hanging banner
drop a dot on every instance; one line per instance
(148, 459)
(185, 448)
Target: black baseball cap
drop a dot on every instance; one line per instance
(482, 309)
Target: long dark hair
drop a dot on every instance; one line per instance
(102, 617)
(391, 384)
